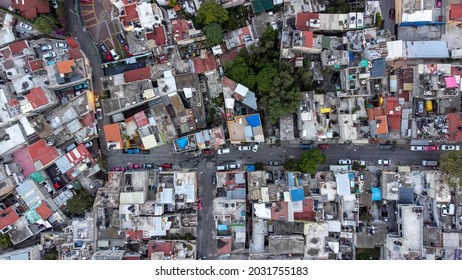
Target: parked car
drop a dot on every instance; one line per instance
(324, 146)
(57, 183)
(392, 14)
(144, 152)
(61, 45)
(274, 163)
(234, 166)
(49, 55)
(444, 210)
(335, 77)
(131, 151)
(99, 114)
(384, 162)
(360, 162)
(433, 163)
(224, 151)
(417, 148)
(166, 165)
(135, 166)
(208, 152)
(115, 55)
(306, 146)
(45, 48)
(88, 144)
(448, 147)
(118, 168)
(344, 161)
(431, 148)
(199, 203)
(105, 50)
(244, 148)
(386, 146)
(214, 179)
(25, 26)
(438, 4)
(148, 165)
(255, 147)
(124, 44)
(420, 107)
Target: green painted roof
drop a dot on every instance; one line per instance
(260, 6)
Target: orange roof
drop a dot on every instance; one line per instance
(44, 211)
(7, 217)
(65, 67)
(30, 8)
(177, 8)
(137, 74)
(72, 42)
(456, 12)
(112, 133)
(382, 125)
(303, 20)
(41, 153)
(37, 97)
(75, 53)
(308, 39)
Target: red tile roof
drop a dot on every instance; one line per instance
(303, 20)
(112, 133)
(78, 154)
(41, 152)
(141, 119)
(224, 246)
(18, 47)
(134, 235)
(456, 12)
(455, 121)
(382, 126)
(7, 217)
(160, 246)
(137, 74)
(87, 119)
(307, 213)
(158, 35)
(180, 29)
(308, 39)
(44, 211)
(131, 14)
(36, 65)
(203, 65)
(280, 212)
(31, 8)
(37, 97)
(72, 42)
(75, 53)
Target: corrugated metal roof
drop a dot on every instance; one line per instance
(426, 49)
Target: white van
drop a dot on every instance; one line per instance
(115, 55)
(221, 167)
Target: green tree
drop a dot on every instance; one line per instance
(338, 7)
(310, 160)
(451, 162)
(265, 78)
(240, 72)
(214, 34)
(291, 165)
(211, 12)
(378, 20)
(46, 23)
(172, 3)
(80, 202)
(5, 241)
(51, 254)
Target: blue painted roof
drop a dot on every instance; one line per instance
(376, 194)
(297, 194)
(182, 142)
(253, 120)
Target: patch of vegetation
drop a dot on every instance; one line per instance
(236, 18)
(451, 162)
(378, 20)
(213, 34)
(368, 254)
(80, 202)
(338, 7)
(211, 12)
(5, 241)
(51, 254)
(308, 162)
(46, 23)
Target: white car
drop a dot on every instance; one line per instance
(99, 114)
(224, 151)
(384, 162)
(46, 48)
(244, 148)
(448, 147)
(361, 162)
(417, 148)
(233, 166)
(25, 26)
(344, 161)
(88, 144)
(255, 147)
(55, 4)
(49, 55)
(61, 45)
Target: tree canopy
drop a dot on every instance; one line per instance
(211, 12)
(5, 241)
(214, 34)
(451, 163)
(46, 23)
(308, 162)
(80, 202)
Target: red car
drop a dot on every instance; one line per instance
(431, 148)
(166, 165)
(135, 166)
(208, 152)
(118, 168)
(199, 203)
(106, 52)
(324, 146)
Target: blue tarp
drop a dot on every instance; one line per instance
(253, 120)
(222, 227)
(297, 194)
(182, 142)
(250, 167)
(376, 194)
(351, 176)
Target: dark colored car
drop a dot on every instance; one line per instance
(274, 163)
(118, 168)
(335, 77)
(148, 165)
(392, 14)
(214, 179)
(144, 152)
(199, 203)
(306, 146)
(136, 166)
(124, 43)
(386, 146)
(166, 165)
(105, 50)
(208, 152)
(324, 146)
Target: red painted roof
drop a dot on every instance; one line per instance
(132, 257)
(75, 53)
(78, 154)
(158, 35)
(87, 119)
(454, 121)
(141, 119)
(31, 8)
(44, 211)
(226, 246)
(7, 217)
(137, 74)
(308, 39)
(180, 29)
(280, 212)
(134, 235)
(112, 133)
(41, 152)
(303, 20)
(18, 47)
(72, 42)
(391, 104)
(23, 159)
(37, 97)
(382, 126)
(36, 65)
(203, 65)
(227, 82)
(307, 213)
(157, 246)
(131, 14)
(456, 12)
